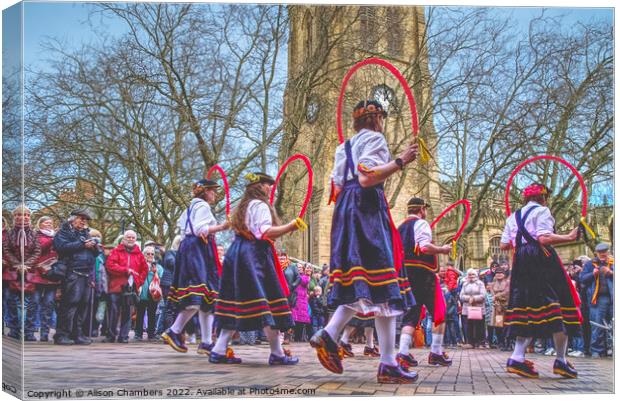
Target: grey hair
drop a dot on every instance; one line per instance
(149, 248)
(130, 232)
(474, 271)
(71, 218)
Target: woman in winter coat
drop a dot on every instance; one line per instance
(44, 295)
(473, 294)
(500, 289)
(147, 304)
(300, 311)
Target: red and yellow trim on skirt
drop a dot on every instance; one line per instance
(404, 285)
(421, 264)
(252, 308)
(541, 315)
(371, 277)
(207, 294)
(365, 316)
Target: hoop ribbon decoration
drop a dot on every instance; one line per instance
(584, 190)
(424, 153)
(467, 205)
(226, 188)
(299, 222)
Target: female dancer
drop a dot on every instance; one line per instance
(365, 246)
(195, 281)
(253, 289)
(542, 301)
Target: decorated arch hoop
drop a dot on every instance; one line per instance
(447, 210)
(582, 184)
(217, 167)
(396, 73)
(306, 161)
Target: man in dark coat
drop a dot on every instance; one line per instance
(78, 251)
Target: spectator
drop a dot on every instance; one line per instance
(5, 283)
(78, 251)
(490, 274)
(14, 268)
(100, 280)
(318, 309)
(500, 290)
(451, 277)
(452, 317)
(168, 315)
(300, 311)
(125, 263)
(44, 296)
(581, 343)
(598, 276)
(147, 303)
(473, 295)
(293, 279)
(488, 310)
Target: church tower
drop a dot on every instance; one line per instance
(324, 42)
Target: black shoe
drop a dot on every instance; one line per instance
(395, 374)
(523, 369)
(108, 340)
(282, 360)
(228, 358)
(347, 350)
(82, 340)
(328, 352)
(137, 338)
(44, 338)
(30, 337)
(63, 341)
(564, 369)
(406, 361)
(174, 340)
(439, 359)
(122, 340)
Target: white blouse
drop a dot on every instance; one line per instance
(539, 222)
(258, 218)
(422, 233)
(201, 218)
(369, 149)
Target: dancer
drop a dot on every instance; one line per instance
(253, 289)
(366, 252)
(195, 281)
(422, 268)
(366, 322)
(542, 302)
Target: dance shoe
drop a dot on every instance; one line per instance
(406, 361)
(564, 369)
(228, 358)
(283, 360)
(439, 359)
(394, 374)
(328, 352)
(374, 352)
(347, 350)
(524, 369)
(174, 340)
(204, 348)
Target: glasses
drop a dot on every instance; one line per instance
(149, 254)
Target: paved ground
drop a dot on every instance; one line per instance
(147, 370)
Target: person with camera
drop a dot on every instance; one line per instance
(127, 270)
(21, 238)
(598, 278)
(148, 301)
(77, 251)
(44, 296)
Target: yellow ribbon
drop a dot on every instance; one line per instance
(453, 249)
(425, 154)
(253, 178)
(587, 227)
(301, 224)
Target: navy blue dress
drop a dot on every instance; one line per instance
(195, 281)
(251, 296)
(541, 301)
(361, 261)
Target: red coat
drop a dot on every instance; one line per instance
(46, 258)
(451, 279)
(118, 264)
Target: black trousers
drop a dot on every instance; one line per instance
(150, 308)
(118, 308)
(73, 305)
(475, 331)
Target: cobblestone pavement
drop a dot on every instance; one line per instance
(147, 370)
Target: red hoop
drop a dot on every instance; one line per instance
(584, 191)
(396, 73)
(225, 180)
(463, 202)
(306, 161)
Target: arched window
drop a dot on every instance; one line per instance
(496, 253)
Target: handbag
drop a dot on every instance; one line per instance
(418, 337)
(155, 288)
(129, 293)
(57, 272)
(474, 313)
